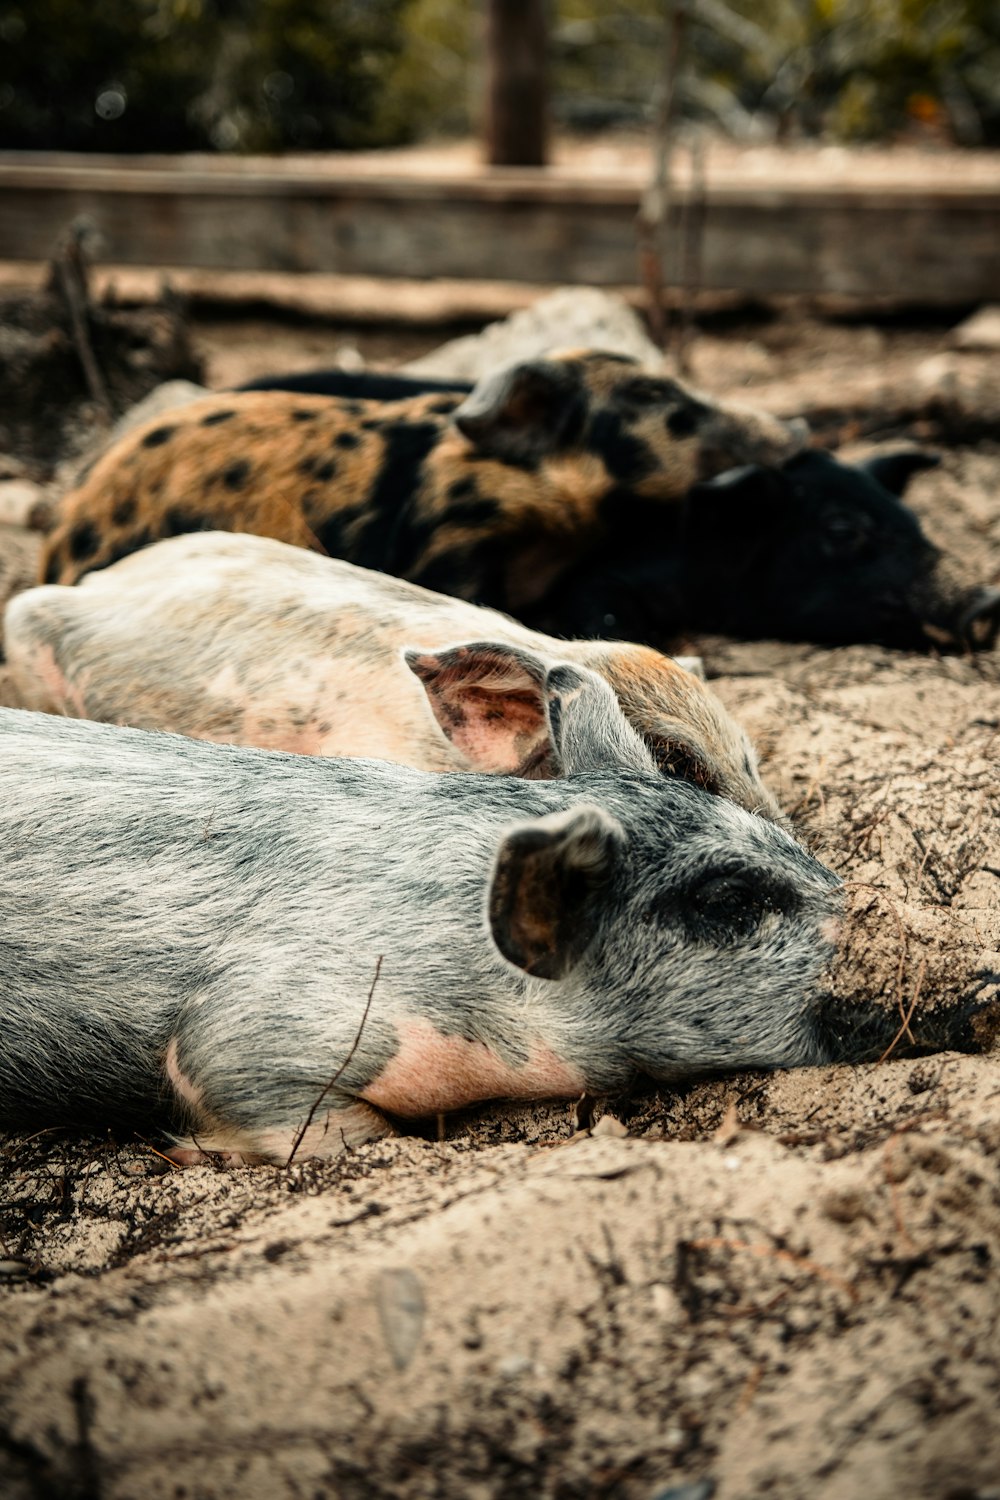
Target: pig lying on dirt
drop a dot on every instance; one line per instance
(560, 491)
(816, 550)
(191, 930)
(489, 498)
(250, 641)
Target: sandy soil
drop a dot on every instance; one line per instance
(769, 1285)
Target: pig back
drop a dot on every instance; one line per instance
(151, 878)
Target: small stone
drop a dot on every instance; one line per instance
(980, 332)
(21, 503)
(697, 1489)
(666, 1303)
(400, 1301)
(348, 357)
(143, 1166)
(164, 398)
(844, 1206)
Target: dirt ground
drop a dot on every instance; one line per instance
(777, 1285)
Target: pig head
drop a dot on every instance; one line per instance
(815, 550)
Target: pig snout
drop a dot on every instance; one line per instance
(725, 955)
(967, 618)
(980, 620)
(735, 434)
(860, 1030)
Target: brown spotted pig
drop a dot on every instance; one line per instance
(246, 640)
(491, 497)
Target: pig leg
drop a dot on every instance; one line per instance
(327, 1134)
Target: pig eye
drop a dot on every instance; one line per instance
(728, 908)
(644, 393)
(844, 535)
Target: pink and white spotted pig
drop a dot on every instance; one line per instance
(246, 640)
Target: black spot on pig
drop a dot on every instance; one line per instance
(362, 385)
(235, 475)
(387, 537)
(463, 489)
(683, 420)
(178, 521)
(626, 457)
(84, 541)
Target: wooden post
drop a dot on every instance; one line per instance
(655, 217)
(516, 77)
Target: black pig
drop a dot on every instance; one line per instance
(356, 385)
(816, 550)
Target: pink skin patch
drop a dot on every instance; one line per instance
(830, 929)
(63, 694)
(432, 1073)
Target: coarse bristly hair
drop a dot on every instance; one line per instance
(190, 930)
(247, 640)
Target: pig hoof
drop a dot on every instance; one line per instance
(336, 1131)
(183, 1155)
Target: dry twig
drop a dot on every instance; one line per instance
(340, 1071)
(71, 276)
(903, 951)
(770, 1252)
(904, 1029)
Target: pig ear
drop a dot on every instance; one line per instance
(544, 874)
(588, 728)
(524, 412)
(487, 698)
(747, 486)
(895, 470)
(693, 664)
(676, 754)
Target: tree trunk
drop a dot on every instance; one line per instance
(516, 50)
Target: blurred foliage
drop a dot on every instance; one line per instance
(265, 75)
(167, 75)
(853, 69)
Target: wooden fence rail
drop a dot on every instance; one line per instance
(936, 243)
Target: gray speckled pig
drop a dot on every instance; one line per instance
(190, 932)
